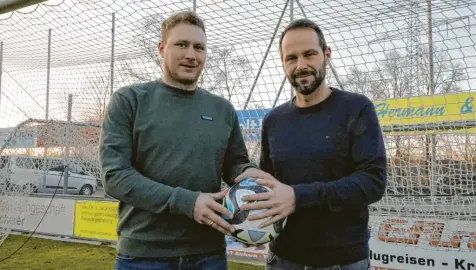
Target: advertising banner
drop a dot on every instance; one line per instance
(236, 249)
(424, 114)
(25, 213)
(426, 109)
(396, 243)
(407, 244)
(405, 257)
(414, 244)
(96, 220)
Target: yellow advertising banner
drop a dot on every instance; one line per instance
(449, 113)
(96, 220)
(426, 109)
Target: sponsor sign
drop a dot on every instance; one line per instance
(426, 109)
(454, 113)
(236, 249)
(251, 123)
(414, 244)
(407, 244)
(96, 220)
(25, 213)
(396, 243)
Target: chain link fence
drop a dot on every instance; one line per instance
(61, 60)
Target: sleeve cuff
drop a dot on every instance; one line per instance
(246, 166)
(307, 195)
(184, 202)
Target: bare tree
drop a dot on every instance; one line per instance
(93, 106)
(147, 40)
(397, 75)
(226, 72)
(448, 73)
(363, 82)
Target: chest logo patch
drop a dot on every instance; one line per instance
(206, 117)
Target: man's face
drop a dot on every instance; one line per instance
(184, 53)
(303, 60)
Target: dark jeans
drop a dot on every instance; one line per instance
(276, 263)
(211, 261)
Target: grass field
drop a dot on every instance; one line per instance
(45, 254)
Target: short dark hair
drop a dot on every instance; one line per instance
(304, 23)
(188, 17)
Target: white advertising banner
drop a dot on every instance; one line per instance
(414, 244)
(25, 213)
(235, 248)
(385, 256)
(407, 244)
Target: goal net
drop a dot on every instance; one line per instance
(60, 61)
(45, 157)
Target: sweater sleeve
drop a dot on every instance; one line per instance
(366, 184)
(236, 157)
(121, 180)
(265, 160)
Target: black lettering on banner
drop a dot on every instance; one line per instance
(385, 258)
(407, 259)
(461, 264)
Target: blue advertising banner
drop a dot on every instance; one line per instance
(250, 123)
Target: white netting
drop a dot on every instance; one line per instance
(64, 161)
(380, 48)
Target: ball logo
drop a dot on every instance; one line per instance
(240, 193)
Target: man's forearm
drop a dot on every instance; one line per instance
(354, 191)
(130, 187)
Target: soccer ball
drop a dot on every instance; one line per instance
(248, 232)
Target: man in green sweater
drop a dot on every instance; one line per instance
(164, 149)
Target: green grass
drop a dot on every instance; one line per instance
(39, 253)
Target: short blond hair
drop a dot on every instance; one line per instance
(188, 17)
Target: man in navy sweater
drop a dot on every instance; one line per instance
(326, 152)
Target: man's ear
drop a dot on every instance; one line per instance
(328, 54)
(161, 47)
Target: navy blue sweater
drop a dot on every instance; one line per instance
(333, 155)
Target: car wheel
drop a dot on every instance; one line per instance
(86, 190)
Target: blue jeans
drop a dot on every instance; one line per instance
(210, 261)
(276, 263)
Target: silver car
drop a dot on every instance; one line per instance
(26, 173)
(78, 181)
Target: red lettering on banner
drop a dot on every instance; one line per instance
(434, 231)
(246, 254)
(387, 230)
(400, 231)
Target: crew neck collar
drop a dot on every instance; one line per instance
(178, 91)
(314, 107)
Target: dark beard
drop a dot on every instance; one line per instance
(316, 82)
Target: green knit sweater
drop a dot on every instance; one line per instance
(160, 146)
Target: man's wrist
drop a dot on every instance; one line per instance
(248, 166)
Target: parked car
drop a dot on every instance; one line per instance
(26, 173)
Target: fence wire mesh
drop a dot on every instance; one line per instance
(420, 54)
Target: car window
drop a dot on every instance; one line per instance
(57, 169)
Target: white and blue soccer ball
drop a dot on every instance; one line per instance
(248, 232)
